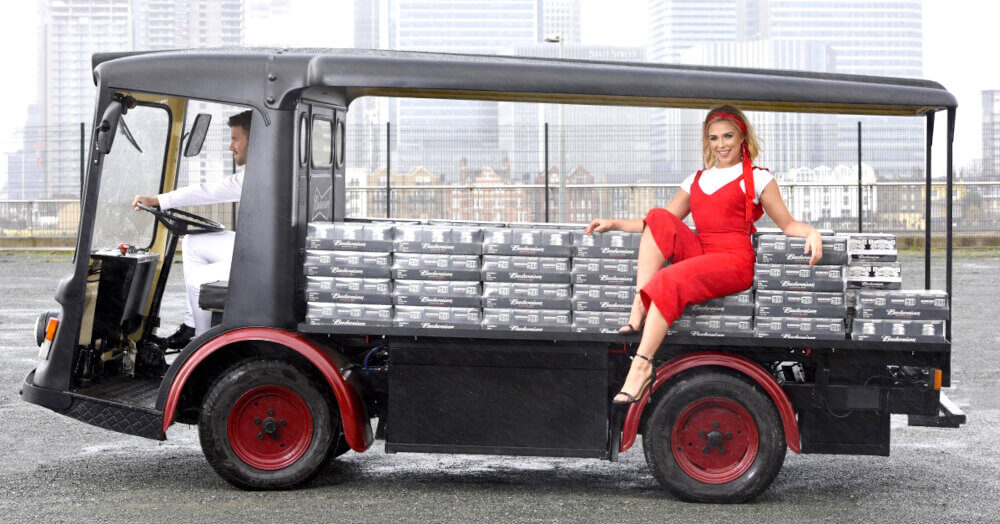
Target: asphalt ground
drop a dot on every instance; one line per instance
(56, 469)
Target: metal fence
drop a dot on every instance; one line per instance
(834, 173)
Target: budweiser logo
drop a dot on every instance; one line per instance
(347, 322)
(707, 334)
(526, 276)
(797, 336)
(348, 243)
(524, 302)
(437, 247)
(434, 325)
(891, 338)
(527, 249)
(798, 310)
(892, 312)
(436, 300)
(525, 328)
(346, 296)
(797, 283)
(435, 274)
(616, 251)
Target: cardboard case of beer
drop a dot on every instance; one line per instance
(799, 328)
(349, 290)
(902, 305)
(800, 304)
(780, 249)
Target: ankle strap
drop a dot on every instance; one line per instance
(644, 357)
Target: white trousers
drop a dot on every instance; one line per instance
(207, 258)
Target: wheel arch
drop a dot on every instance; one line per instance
(740, 364)
(327, 363)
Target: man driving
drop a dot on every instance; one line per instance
(206, 257)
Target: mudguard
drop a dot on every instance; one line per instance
(716, 359)
(357, 428)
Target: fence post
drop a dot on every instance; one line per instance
(861, 205)
(232, 207)
(388, 169)
(83, 157)
(546, 171)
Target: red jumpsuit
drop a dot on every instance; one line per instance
(715, 262)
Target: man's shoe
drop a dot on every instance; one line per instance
(178, 340)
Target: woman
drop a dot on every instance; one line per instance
(719, 259)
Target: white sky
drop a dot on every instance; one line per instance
(959, 47)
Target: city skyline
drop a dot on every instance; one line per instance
(968, 137)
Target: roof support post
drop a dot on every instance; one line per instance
(927, 202)
(861, 203)
(948, 236)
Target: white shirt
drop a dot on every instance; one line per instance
(226, 190)
(713, 178)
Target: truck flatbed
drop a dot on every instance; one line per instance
(676, 341)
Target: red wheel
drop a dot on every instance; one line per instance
(270, 427)
(266, 424)
(714, 436)
(714, 440)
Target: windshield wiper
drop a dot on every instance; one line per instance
(128, 133)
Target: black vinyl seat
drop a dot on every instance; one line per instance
(213, 295)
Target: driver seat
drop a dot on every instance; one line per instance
(212, 297)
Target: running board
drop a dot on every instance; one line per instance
(949, 416)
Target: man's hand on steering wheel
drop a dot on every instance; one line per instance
(148, 201)
(178, 221)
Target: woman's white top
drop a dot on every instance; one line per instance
(226, 190)
(712, 179)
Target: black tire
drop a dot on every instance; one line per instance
(230, 407)
(701, 397)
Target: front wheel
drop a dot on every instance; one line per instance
(714, 437)
(265, 425)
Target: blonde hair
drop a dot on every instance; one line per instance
(753, 143)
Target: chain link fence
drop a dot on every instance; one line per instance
(514, 173)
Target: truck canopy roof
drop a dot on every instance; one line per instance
(274, 78)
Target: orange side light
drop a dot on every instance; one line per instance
(50, 329)
(937, 379)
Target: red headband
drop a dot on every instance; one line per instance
(737, 120)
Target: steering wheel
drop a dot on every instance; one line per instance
(181, 222)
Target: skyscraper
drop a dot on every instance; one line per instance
(73, 31)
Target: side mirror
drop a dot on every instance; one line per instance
(108, 127)
(196, 137)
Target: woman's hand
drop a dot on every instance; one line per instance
(600, 225)
(814, 244)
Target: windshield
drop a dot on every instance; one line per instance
(133, 167)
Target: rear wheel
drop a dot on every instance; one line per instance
(714, 437)
(265, 424)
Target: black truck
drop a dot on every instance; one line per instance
(276, 396)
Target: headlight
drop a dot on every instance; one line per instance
(41, 324)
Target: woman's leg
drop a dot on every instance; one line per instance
(664, 237)
(670, 290)
(650, 261)
(641, 369)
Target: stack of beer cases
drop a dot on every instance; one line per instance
(883, 311)
(603, 273)
(347, 268)
(873, 263)
(526, 278)
(436, 273)
(731, 315)
(795, 300)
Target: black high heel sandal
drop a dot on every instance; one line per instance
(632, 399)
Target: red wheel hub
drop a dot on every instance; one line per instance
(270, 427)
(714, 440)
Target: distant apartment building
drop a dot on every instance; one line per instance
(609, 142)
(789, 140)
(72, 31)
